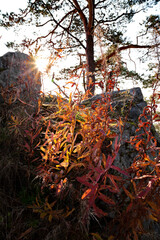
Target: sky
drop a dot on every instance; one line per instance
(14, 5)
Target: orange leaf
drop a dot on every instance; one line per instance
(128, 193)
(85, 194)
(138, 144)
(85, 155)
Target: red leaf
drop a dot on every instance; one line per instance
(27, 147)
(37, 133)
(114, 183)
(116, 145)
(84, 180)
(99, 212)
(111, 189)
(109, 161)
(106, 199)
(120, 170)
(129, 207)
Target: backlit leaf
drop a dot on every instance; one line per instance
(86, 193)
(84, 155)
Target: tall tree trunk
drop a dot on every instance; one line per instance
(90, 48)
(90, 63)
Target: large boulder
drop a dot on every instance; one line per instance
(127, 105)
(20, 81)
(130, 107)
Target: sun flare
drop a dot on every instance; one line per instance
(41, 64)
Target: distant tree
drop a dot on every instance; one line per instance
(76, 25)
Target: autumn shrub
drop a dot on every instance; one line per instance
(80, 181)
(69, 153)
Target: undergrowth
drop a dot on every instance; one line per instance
(59, 179)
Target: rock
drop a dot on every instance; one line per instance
(129, 105)
(20, 81)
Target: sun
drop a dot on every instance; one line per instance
(41, 63)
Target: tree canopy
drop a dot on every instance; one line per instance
(79, 27)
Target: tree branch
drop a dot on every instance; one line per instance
(43, 24)
(59, 25)
(81, 14)
(125, 48)
(90, 22)
(115, 19)
(107, 57)
(51, 20)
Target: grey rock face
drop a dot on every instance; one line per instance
(129, 105)
(19, 79)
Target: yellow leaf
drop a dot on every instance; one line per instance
(65, 163)
(37, 202)
(97, 236)
(69, 213)
(153, 218)
(48, 205)
(152, 205)
(85, 155)
(50, 217)
(43, 149)
(70, 98)
(120, 121)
